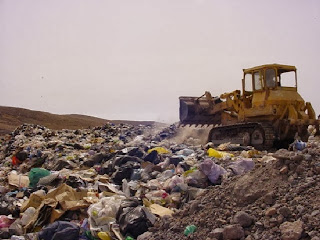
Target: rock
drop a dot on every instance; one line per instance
(273, 222)
(250, 197)
(300, 209)
(282, 154)
(291, 230)
(312, 234)
(259, 225)
(315, 213)
(243, 218)
(144, 236)
(249, 238)
(300, 170)
(269, 198)
(216, 233)
(221, 222)
(284, 211)
(315, 238)
(231, 232)
(317, 169)
(193, 206)
(271, 211)
(297, 158)
(284, 170)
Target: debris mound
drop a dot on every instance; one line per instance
(138, 182)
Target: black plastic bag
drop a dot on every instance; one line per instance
(60, 230)
(132, 218)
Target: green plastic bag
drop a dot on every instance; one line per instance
(35, 174)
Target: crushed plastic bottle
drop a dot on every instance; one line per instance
(189, 229)
(27, 215)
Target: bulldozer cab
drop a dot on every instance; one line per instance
(259, 81)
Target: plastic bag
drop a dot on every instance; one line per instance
(177, 183)
(187, 152)
(299, 145)
(104, 236)
(160, 150)
(5, 222)
(132, 218)
(60, 230)
(136, 174)
(196, 178)
(103, 213)
(165, 175)
(35, 174)
(211, 170)
(152, 157)
(242, 166)
(217, 154)
(159, 196)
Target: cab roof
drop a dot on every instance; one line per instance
(284, 68)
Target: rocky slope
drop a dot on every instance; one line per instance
(277, 200)
(12, 117)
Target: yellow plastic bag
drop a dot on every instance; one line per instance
(217, 154)
(160, 150)
(104, 236)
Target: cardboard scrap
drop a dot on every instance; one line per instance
(104, 179)
(73, 205)
(34, 201)
(55, 214)
(40, 214)
(64, 196)
(16, 180)
(108, 187)
(159, 210)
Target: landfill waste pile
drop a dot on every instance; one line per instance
(136, 182)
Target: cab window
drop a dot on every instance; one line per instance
(288, 79)
(270, 78)
(248, 82)
(257, 81)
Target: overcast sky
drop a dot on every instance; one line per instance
(132, 59)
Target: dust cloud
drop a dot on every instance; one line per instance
(187, 134)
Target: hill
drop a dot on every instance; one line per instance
(12, 117)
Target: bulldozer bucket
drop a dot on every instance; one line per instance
(196, 111)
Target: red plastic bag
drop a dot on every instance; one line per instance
(5, 222)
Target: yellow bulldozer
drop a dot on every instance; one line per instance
(269, 112)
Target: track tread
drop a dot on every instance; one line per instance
(240, 128)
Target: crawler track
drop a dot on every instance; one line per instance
(259, 135)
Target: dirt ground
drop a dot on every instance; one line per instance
(286, 190)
